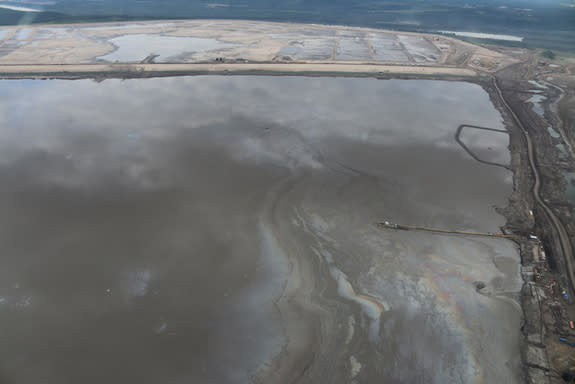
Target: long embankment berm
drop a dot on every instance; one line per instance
(110, 70)
(444, 231)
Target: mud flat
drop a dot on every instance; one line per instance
(220, 230)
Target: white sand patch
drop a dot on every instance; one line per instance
(479, 35)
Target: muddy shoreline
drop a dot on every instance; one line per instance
(547, 294)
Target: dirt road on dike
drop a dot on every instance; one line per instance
(146, 70)
(566, 247)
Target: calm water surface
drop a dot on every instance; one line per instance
(220, 230)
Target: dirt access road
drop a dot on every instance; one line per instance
(147, 70)
(566, 248)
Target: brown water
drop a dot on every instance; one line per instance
(220, 230)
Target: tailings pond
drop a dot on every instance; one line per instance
(221, 230)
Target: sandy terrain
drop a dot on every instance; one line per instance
(87, 69)
(248, 42)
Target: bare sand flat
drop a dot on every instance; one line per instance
(234, 41)
(91, 69)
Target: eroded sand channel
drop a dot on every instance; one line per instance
(220, 230)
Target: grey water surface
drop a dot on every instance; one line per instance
(221, 230)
